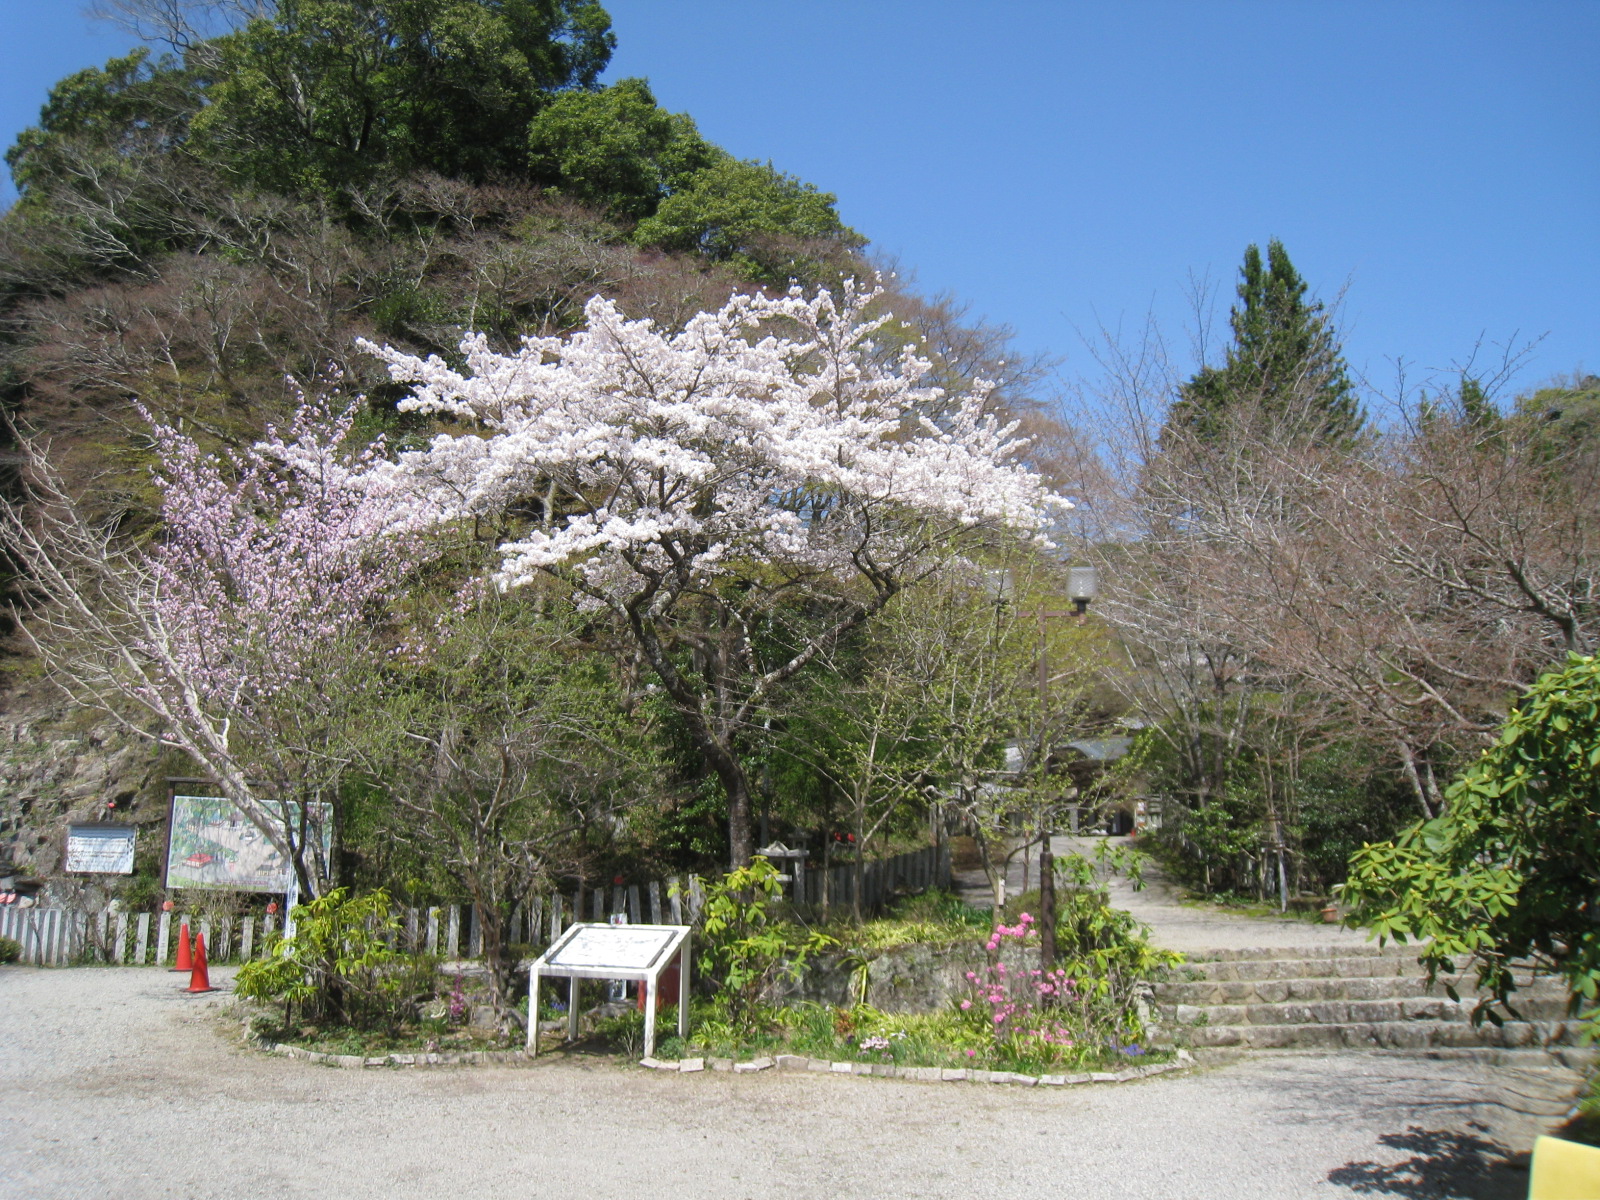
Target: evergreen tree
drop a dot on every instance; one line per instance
(1285, 360)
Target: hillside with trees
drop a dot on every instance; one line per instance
(408, 425)
(213, 239)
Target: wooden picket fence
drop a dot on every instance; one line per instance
(58, 936)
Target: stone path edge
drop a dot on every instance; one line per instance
(796, 1062)
(783, 1062)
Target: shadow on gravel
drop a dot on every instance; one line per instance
(1444, 1165)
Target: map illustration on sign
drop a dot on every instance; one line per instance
(214, 845)
(99, 849)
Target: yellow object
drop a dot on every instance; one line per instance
(1564, 1170)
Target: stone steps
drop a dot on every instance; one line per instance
(1280, 991)
(1303, 953)
(1355, 1012)
(1344, 997)
(1385, 1035)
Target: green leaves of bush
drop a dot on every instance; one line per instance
(339, 966)
(746, 945)
(1509, 871)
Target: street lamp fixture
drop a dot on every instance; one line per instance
(1081, 587)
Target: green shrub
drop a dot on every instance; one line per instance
(925, 919)
(746, 944)
(1103, 951)
(10, 950)
(338, 965)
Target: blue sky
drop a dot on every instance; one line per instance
(1063, 165)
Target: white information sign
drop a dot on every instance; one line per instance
(621, 947)
(641, 952)
(99, 849)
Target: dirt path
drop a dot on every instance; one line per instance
(116, 1085)
(1173, 924)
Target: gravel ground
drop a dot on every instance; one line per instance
(116, 1084)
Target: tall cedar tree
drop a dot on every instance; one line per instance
(1284, 360)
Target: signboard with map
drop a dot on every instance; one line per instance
(99, 850)
(214, 845)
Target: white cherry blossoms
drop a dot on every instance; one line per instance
(771, 431)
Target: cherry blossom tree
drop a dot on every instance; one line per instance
(738, 495)
(242, 633)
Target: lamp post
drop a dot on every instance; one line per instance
(1082, 586)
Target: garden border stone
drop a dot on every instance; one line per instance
(783, 1062)
(799, 1062)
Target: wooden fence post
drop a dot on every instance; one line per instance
(141, 945)
(635, 916)
(697, 899)
(452, 939)
(675, 898)
(119, 948)
(652, 891)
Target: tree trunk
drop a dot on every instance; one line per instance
(741, 835)
(498, 967)
(859, 871)
(1047, 904)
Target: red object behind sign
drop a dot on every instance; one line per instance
(666, 989)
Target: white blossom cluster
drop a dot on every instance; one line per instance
(771, 430)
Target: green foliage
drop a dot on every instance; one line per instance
(928, 918)
(1284, 360)
(102, 116)
(10, 950)
(325, 91)
(752, 215)
(338, 965)
(616, 149)
(1344, 801)
(1104, 950)
(141, 892)
(861, 1033)
(1508, 871)
(747, 946)
(1567, 416)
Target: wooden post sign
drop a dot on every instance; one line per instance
(641, 952)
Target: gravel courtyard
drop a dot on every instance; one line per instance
(115, 1084)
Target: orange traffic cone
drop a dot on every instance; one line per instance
(200, 978)
(184, 963)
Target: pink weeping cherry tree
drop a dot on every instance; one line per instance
(245, 630)
(739, 495)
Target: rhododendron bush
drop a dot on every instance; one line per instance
(738, 495)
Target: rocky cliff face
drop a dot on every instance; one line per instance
(60, 763)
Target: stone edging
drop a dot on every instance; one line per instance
(453, 1058)
(796, 1062)
(782, 1062)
